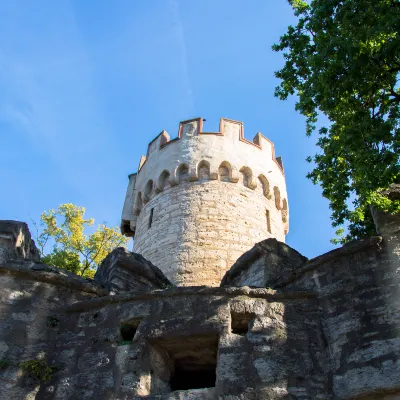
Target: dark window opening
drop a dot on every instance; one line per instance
(185, 379)
(128, 329)
(151, 217)
(126, 229)
(240, 323)
(191, 360)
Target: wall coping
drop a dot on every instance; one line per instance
(44, 273)
(352, 247)
(230, 292)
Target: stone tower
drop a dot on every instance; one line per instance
(201, 200)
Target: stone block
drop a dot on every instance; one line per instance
(16, 242)
(265, 265)
(124, 271)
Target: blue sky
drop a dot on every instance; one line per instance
(85, 85)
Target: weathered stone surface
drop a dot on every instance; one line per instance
(265, 265)
(28, 270)
(359, 297)
(357, 288)
(123, 270)
(30, 299)
(194, 332)
(326, 328)
(16, 242)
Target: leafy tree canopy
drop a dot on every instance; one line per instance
(343, 59)
(72, 249)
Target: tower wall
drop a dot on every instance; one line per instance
(201, 200)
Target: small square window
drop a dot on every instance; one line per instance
(128, 329)
(240, 322)
(193, 361)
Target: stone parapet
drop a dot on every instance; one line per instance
(326, 328)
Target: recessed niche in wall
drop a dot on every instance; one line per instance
(192, 360)
(240, 322)
(128, 329)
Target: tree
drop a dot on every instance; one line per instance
(343, 60)
(72, 249)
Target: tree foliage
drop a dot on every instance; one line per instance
(343, 59)
(72, 249)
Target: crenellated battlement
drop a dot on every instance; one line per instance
(227, 127)
(200, 199)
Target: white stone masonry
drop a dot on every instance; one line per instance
(200, 201)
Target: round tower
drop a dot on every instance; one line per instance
(200, 201)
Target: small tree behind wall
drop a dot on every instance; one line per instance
(72, 249)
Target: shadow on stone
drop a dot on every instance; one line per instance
(124, 271)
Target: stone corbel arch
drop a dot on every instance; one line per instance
(277, 195)
(225, 171)
(137, 208)
(173, 179)
(163, 181)
(148, 190)
(284, 211)
(265, 186)
(193, 173)
(203, 170)
(248, 178)
(181, 173)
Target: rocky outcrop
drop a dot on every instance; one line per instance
(123, 271)
(19, 258)
(265, 265)
(16, 242)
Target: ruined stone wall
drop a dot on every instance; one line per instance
(197, 203)
(253, 344)
(30, 299)
(16, 242)
(326, 328)
(358, 291)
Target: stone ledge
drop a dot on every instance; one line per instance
(44, 273)
(346, 250)
(179, 291)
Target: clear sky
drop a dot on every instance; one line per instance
(85, 85)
